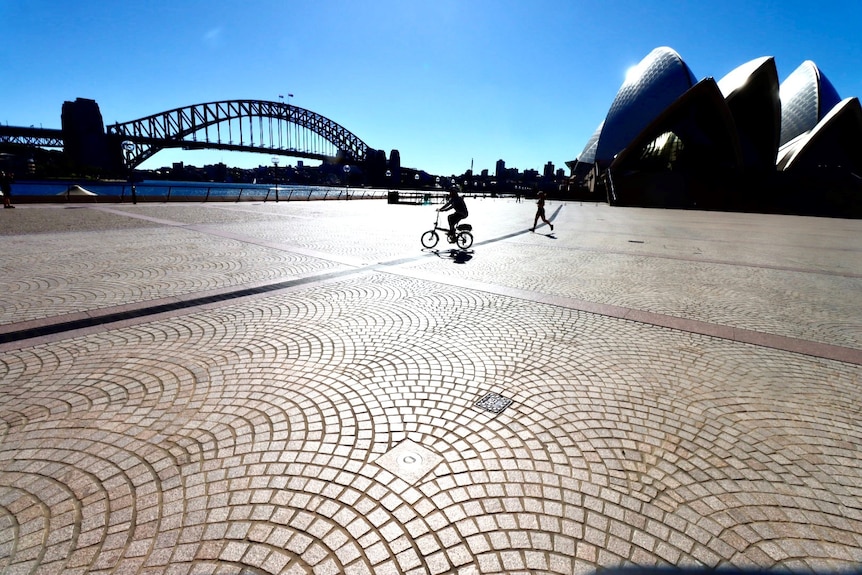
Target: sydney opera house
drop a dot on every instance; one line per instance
(742, 143)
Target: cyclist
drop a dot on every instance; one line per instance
(456, 202)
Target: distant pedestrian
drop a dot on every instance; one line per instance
(540, 212)
(6, 188)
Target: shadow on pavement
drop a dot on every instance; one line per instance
(456, 255)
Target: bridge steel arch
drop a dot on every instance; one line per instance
(32, 137)
(249, 125)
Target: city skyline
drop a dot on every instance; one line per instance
(446, 84)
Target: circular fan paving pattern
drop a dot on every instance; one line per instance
(380, 423)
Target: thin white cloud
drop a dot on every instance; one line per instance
(213, 37)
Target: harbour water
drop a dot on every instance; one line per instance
(160, 190)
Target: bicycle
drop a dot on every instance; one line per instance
(463, 237)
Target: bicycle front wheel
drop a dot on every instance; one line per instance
(464, 239)
(430, 239)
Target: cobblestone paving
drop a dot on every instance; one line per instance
(73, 272)
(793, 303)
(335, 425)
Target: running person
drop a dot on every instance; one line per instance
(540, 212)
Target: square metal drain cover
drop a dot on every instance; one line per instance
(494, 402)
(409, 461)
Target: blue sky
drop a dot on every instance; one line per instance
(446, 82)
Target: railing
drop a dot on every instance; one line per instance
(416, 197)
(612, 192)
(154, 191)
(63, 191)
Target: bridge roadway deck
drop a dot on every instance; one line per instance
(300, 388)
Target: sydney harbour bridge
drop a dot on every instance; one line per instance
(260, 126)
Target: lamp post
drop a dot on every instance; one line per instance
(275, 161)
(129, 147)
(347, 180)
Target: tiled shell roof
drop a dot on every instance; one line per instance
(769, 117)
(589, 154)
(806, 97)
(649, 88)
(739, 78)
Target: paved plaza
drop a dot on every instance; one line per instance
(301, 388)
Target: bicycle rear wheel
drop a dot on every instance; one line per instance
(430, 239)
(464, 239)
